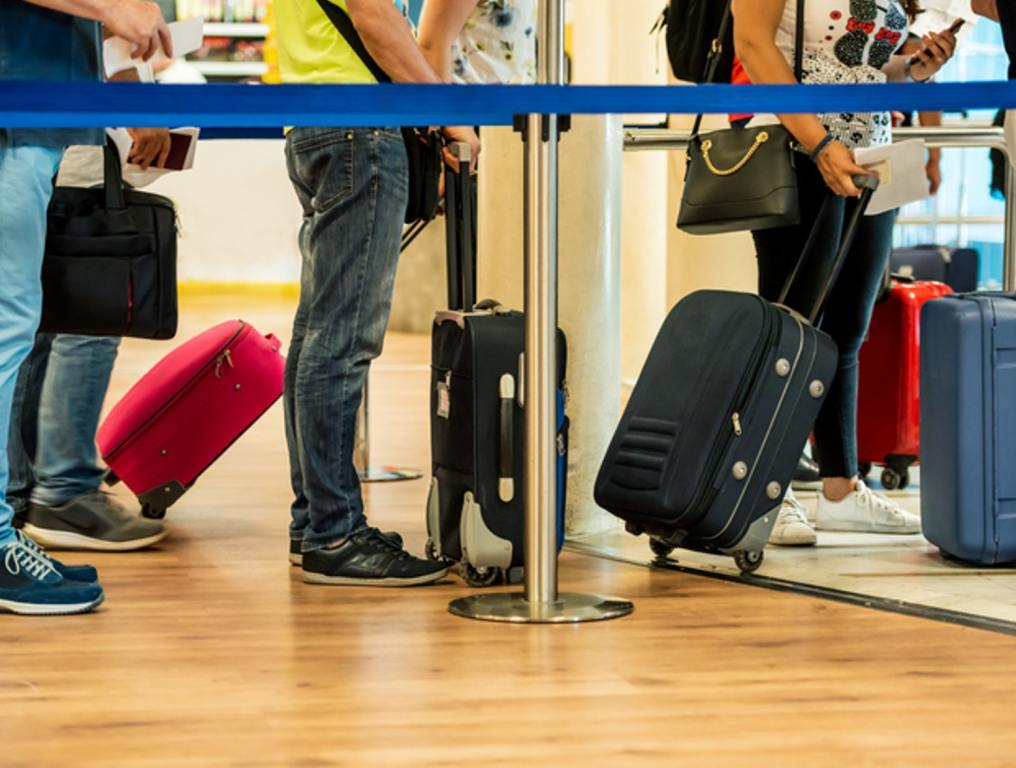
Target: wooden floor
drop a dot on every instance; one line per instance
(211, 652)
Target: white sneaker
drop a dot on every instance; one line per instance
(792, 528)
(866, 511)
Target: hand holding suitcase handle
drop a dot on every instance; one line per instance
(867, 185)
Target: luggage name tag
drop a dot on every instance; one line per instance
(444, 397)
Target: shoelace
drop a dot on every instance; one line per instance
(374, 536)
(793, 511)
(31, 543)
(868, 498)
(19, 557)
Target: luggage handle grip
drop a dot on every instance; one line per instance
(506, 441)
(867, 185)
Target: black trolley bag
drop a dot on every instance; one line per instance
(710, 438)
(475, 508)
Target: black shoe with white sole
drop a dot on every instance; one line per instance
(95, 521)
(807, 476)
(296, 547)
(369, 558)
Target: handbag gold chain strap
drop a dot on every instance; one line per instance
(761, 138)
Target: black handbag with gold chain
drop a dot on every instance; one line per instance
(741, 179)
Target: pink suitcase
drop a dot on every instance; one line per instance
(185, 412)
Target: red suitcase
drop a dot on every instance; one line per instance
(888, 404)
(185, 412)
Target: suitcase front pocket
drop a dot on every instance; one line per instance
(642, 457)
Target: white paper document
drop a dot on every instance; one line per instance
(901, 174)
(187, 36)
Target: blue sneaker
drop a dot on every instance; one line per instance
(83, 573)
(30, 585)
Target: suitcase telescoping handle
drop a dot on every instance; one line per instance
(460, 227)
(867, 185)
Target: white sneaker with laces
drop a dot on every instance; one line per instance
(865, 511)
(792, 528)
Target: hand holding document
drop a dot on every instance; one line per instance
(183, 145)
(901, 174)
(186, 35)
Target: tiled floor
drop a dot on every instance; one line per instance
(894, 568)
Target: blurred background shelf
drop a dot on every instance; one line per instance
(230, 68)
(235, 29)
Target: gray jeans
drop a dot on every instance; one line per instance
(353, 186)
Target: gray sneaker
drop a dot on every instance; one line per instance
(96, 522)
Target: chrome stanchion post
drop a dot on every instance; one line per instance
(1009, 243)
(369, 473)
(541, 602)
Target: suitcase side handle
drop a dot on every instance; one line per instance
(506, 440)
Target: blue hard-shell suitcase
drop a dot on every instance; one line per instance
(968, 426)
(956, 267)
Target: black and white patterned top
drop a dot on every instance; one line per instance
(848, 41)
(497, 44)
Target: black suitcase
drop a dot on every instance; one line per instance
(709, 441)
(956, 267)
(475, 509)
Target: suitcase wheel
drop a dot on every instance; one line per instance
(660, 548)
(110, 478)
(894, 479)
(749, 562)
(864, 470)
(152, 513)
(430, 550)
(480, 577)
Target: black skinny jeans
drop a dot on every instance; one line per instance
(849, 306)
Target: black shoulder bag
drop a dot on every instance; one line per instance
(742, 178)
(423, 147)
(110, 261)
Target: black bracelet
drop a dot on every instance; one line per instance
(821, 146)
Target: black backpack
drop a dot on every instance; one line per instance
(700, 39)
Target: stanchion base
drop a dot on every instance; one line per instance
(513, 606)
(388, 474)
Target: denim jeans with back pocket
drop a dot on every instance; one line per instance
(352, 184)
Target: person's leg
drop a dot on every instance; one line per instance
(354, 183)
(22, 440)
(778, 251)
(67, 508)
(30, 583)
(846, 503)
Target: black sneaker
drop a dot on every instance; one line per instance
(83, 573)
(369, 558)
(95, 521)
(296, 546)
(31, 586)
(807, 476)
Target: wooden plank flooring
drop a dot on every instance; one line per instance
(211, 652)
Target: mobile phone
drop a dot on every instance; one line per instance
(955, 27)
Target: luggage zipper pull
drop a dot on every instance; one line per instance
(224, 357)
(736, 420)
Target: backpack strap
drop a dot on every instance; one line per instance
(341, 21)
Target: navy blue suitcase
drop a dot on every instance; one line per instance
(722, 409)
(968, 426)
(475, 508)
(956, 267)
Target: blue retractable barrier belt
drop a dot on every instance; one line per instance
(78, 105)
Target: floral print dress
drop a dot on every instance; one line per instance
(497, 44)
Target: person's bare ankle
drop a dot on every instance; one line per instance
(837, 488)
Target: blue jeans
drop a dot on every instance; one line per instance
(353, 186)
(847, 311)
(26, 185)
(57, 402)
